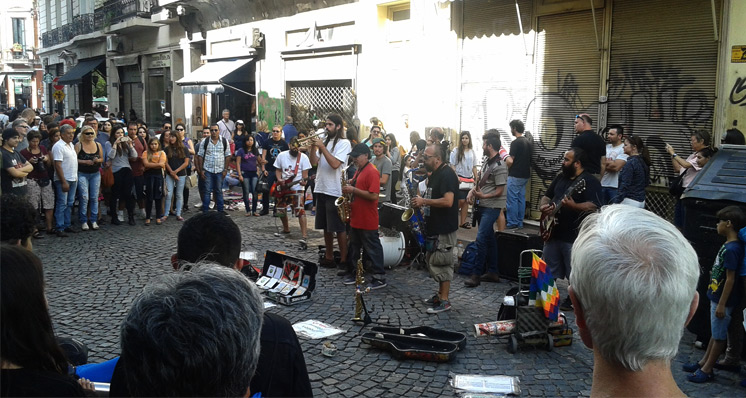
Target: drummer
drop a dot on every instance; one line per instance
(291, 170)
(364, 188)
(383, 165)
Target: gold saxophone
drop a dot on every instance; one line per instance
(343, 202)
(359, 291)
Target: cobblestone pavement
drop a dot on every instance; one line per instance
(93, 276)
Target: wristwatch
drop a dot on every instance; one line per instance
(673, 155)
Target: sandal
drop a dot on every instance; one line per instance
(466, 225)
(37, 235)
(147, 222)
(158, 221)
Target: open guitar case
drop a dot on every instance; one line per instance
(422, 343)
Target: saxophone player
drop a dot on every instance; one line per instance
(364, 188)
(331, 157)
(440, 207)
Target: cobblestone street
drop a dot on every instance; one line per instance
(93, 277)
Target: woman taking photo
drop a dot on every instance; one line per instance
(177, 162)
(39, 188)
(687, 169)
(33, 364)
(463, 162)
(90, 157)
(635, 175)
(154, 160)
(120, 150)
(189, 149)
(246, 163)
(395, 157)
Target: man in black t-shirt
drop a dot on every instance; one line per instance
(519, 171)
(574, 206)
(15, 168)
(440, 209)
(270, 149)
(590, 142)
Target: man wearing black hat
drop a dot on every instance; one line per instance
(364, 188)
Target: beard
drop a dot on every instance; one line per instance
(294, 152)
(568, 171)
(429, 167)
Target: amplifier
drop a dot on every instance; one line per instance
(510, 244)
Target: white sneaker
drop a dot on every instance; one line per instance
(142, 214)
(198, 205)
(84, 227)
(94, 226)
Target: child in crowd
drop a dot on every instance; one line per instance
(725, 291)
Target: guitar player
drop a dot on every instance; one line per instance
(291, 172)
(574, 205)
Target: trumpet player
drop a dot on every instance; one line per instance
(331, 157)
(364, 188)
(440, 207)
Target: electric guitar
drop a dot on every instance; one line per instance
(549, 221)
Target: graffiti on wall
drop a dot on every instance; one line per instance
(271, 110)
(738, 92)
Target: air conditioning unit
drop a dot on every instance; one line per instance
(113, 44)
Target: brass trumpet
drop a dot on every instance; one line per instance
(307, 140)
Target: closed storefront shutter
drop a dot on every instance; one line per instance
(497, 74)
(568, 66)
(662, 74)
(662, 80)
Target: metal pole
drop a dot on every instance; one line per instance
(595, 28)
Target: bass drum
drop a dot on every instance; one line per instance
(393, 249)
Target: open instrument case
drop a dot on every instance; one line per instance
(287, 280)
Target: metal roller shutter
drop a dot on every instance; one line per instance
(497, 75)
(662, 74)
(568, 66)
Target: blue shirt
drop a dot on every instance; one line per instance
(290, 131)
(729, 258)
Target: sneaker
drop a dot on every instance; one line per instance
(698, 344)
(71, 230)
(433, 301)
(377, 284)
(61, 234)
(443, 306)
(566, 305)
(198, 205)
(84, 227)
(94, 225)
(691, 367)
(349, 279)
(700, 376)
(728, 367)
(342, 272)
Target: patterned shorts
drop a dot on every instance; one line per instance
(40, 196)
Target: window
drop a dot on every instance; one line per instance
(19, 31)
(398, 23)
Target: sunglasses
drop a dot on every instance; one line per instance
(214, 130)
(167, 128)
(277, 131)
(87, 133)
(179, 129)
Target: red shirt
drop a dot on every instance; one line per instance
(364, 213)
(138, 167)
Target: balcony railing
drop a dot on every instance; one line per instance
(110, 13)
(116, 11)
(18, 54)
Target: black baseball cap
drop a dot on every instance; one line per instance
(360, 149)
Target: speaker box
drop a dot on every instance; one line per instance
(510, 244)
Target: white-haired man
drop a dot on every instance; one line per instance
(633, 286)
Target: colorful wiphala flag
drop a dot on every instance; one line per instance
(543, 293)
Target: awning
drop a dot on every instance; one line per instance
(207, 78)
(75, 75)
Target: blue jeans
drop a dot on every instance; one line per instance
(486, 242)
(557, 256)
(230, 181)
(179, 184)
(213, 183)
(516, 202)
(249, 187)
(88, 185)
(607, 194)
(64, 204)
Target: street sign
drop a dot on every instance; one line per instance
(59, 95)
(48, 78)
(56, 86)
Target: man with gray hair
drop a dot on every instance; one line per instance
(193, 333)
(227, 126)
(633, 286)
(22, 127)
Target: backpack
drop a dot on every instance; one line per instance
(206, 140)
(468, 264)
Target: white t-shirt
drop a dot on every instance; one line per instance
(286, 163)
(329, 180)
(65, 153)
(610, 179)
(465, 167)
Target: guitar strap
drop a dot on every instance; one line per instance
(490, 164)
